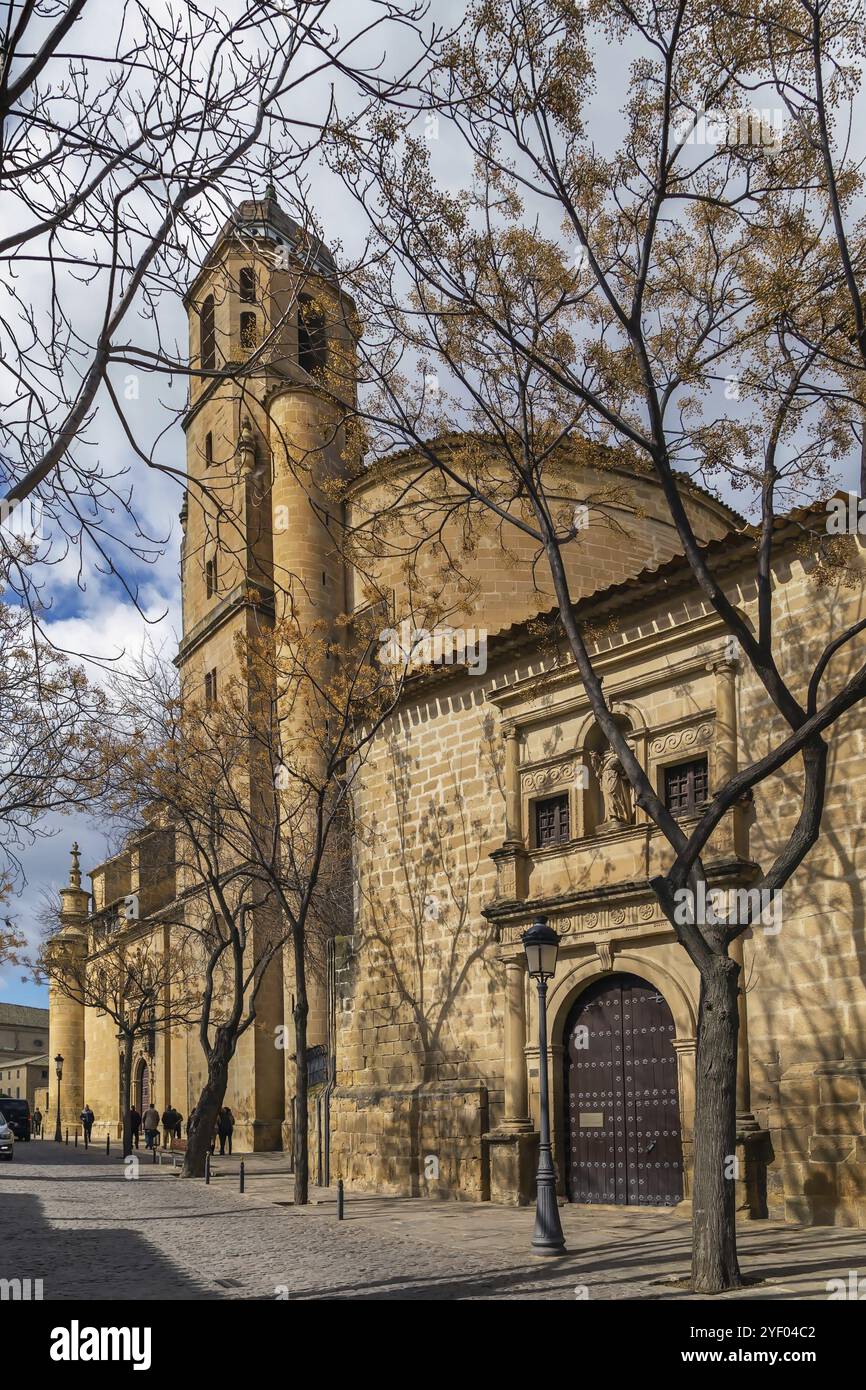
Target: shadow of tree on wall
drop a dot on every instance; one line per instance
(814, 967)
(421, 934)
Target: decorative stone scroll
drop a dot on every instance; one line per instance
(554, 776)
(696, 737)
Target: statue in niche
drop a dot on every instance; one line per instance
(615, 790)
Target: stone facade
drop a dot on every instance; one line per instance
(425, 1013)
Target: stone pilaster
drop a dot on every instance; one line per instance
(513, 825)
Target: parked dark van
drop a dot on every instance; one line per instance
(17, 1116)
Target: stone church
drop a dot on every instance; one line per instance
(489, 799)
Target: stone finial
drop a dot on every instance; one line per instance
(75, 871)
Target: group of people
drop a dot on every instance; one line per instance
(172, 1122)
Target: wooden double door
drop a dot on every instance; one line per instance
(623, 1139)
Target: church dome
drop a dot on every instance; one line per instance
(422, 545)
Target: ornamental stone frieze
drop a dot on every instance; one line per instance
(618, 918)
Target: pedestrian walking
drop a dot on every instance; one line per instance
(150, 1124)
(87, 1117)
(169, 1124)
(135, 1124)
(37, 1121)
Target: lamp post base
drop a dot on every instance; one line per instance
(547, 1238)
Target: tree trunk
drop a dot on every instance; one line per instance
(301, 1121)
(126, 1096)
(201, 1130)
(714, 1252)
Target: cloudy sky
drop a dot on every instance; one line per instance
(89, 612)
(92, 613)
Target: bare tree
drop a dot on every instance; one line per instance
(135, 973)
(129, 134)
(576, 302)
(257, 785)
(49, 715)
(11, 940)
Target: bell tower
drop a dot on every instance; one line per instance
(67, 951)
(269, 330)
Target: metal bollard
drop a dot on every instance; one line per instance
(108, 1144)
(153, 1151)
(207, 1168)
(76, 1139)
(340, 1199)
(67, 1136)
(242, 1175)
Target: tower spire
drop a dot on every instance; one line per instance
(75, 870)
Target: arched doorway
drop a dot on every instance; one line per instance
(622, 1113)
(142, 1086)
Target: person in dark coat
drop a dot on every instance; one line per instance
(135, 1124)
(169, 1124)
(87, 1117)
(225, 1126)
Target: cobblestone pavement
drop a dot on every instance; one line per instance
(72, 1219)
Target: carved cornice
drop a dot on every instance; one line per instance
(244, 596)
(605, 913)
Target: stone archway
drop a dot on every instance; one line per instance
(622, 1135)
(572, 981)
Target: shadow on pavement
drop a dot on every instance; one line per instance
(80, 1264)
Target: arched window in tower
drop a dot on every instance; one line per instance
(208, 335)
(249, 331)
(312, 337)
(247, 284)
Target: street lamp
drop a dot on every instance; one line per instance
(541, 945)
(58, 1067)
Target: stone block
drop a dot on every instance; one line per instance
(851, 1180)
(513, 1160)
(798, 1090)
(839, 1119)
(830, 1149)
(810, 1212)
(791, 1117)
(839, 1089)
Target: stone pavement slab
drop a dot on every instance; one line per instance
(75, 1221)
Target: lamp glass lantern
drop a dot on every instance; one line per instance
(58, 1066)
(541, 945)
